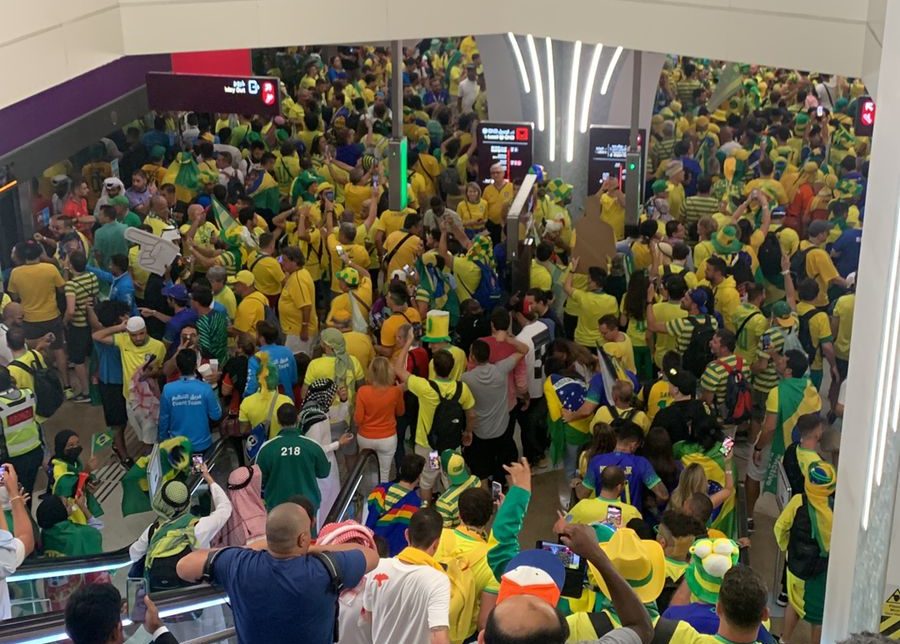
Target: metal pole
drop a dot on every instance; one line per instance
(634, 179)
(397, 89)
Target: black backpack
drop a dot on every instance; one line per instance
(805, 335)
(738, 401)
(741, 268)
(620, 419)
(798, 264)
(48, 389)
(770, 259)
(804, 556)
(698, 354)
(449, 420)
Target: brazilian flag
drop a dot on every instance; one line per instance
(723, 518)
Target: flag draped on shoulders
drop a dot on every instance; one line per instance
(794, 396)
(391, 507)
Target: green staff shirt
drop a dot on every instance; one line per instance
(290, 465)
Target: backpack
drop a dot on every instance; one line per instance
(488, 292)
(805, 558)
(460, 570)
(770, 259)
(798, 264)
(620, 419)
(449, 182)
(805, 334)
(741, 268)
(169, 543)
(738, 401)
(449, 420)
(792, 340)
(698, 354)
(48, 389)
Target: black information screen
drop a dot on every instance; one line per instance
(226, 94)
(609, 147)
(511, 144)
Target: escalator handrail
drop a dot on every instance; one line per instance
(342, 502)
(50, 627)
(40, 568)
(172, 602)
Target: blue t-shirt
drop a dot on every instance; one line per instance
(283, 600)
(848, 245)
(703, 618)
(109, 363)
(185, 409)
(639, 473)
(280, 358)
(185, 317)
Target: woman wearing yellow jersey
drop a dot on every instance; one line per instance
(634, 319)
(473, 211)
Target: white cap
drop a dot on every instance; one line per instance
(135, 324)
(399, 273)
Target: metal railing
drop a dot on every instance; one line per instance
(50, 627)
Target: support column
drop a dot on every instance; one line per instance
(634, 176)
(867, 479)
(397, 145)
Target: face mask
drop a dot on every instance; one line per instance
(72, 453)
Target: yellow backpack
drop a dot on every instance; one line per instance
(463, 589)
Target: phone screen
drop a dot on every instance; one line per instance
(727, 446)
(568, 558)
(136, 590)
(614, 516)
(496, 490)
(2, 473)
(198, 461)
(434, 461)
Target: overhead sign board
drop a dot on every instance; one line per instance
(511, 144)
(202, 93)
(609, 155)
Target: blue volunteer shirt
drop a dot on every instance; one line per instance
(109, 363)
(283, 600)
(185, 409)
(703, 618)
(847, 248)
(639, 473)
(280, 358)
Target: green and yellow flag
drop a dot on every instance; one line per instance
(795, 398)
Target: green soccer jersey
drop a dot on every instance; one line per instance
(290, 465)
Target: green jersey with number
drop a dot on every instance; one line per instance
(290, 464)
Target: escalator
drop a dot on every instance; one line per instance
(197, 614)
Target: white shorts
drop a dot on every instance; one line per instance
(759, 473)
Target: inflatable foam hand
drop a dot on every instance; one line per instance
(156, 254)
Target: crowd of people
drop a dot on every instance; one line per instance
(276, 299)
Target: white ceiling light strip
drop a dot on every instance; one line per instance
(538, 82)
(573, 98)
(523, 74)
(610, 70)
(589, 88)
(551, 88)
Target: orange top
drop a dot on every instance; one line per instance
(377, 409)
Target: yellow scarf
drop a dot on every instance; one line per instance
(416, 557)
(820, 485)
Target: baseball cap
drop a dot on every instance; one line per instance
(118, 200)
(177, 292)
(781, 311)
(818, 227)
(684, 381)
(243, 277)
(533, 572)
(135, 324)
(455, 467)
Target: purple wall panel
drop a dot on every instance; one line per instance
(36, 115)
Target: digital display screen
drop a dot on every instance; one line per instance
(511, 144)
(865, 116)
(609, 149)
(202, 93)
(568, 558)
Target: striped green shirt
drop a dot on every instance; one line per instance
(682, 328)
(765, 380)
(698, 206)
(447, 504)
(662, 150)
(85, 288)
(685, 90)
(715, 378)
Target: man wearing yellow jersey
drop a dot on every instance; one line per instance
(727, 299)
(596, 510)
(266, 269)
(612, 206)
(592, 303)
(297, 304)
(498, 195)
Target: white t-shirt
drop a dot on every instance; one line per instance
(468, 92)
(537, 336)
(12, 554)
(406, 602)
